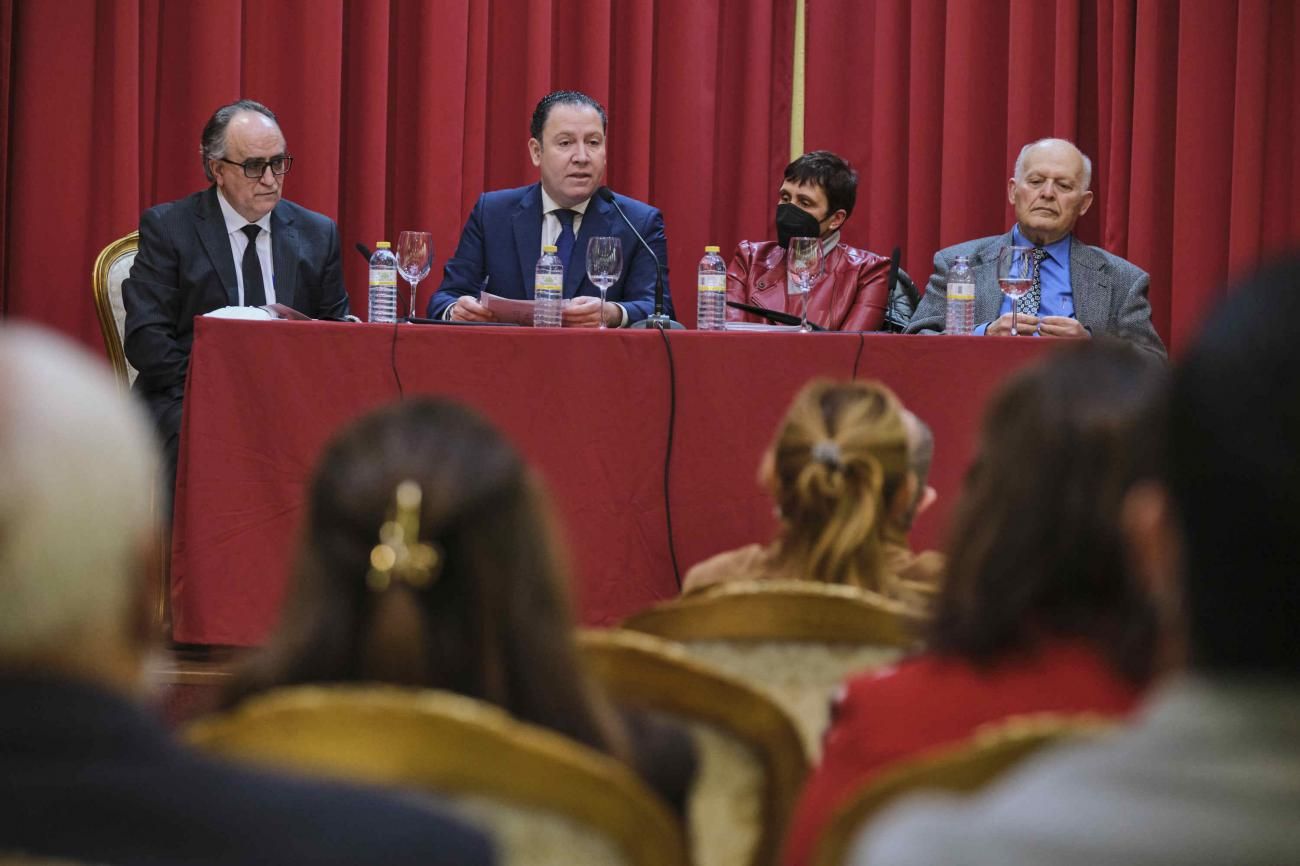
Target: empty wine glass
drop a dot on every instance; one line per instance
(604, 266)
(803, 265)
(1015, 276)
(414, 261)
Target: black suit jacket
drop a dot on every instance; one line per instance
(86, 775)
(185, 268)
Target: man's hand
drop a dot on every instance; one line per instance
(584, 312)
(466, 309)
(1001, 326)
(1062, 326)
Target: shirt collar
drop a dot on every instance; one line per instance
(548, 204)
(832, 240)
(1058, 251)
(235, 222)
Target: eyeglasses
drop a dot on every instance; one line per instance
(255, 168)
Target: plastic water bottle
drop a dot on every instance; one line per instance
(548, 290)
(961, 298)
(383, 284)
(711, 292)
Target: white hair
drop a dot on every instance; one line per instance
(78, 472)
(1050, 142)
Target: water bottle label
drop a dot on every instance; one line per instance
(961, 291)
(383, 277)
(712, 283)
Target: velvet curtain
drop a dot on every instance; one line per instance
(400, 112)
(1190, 111)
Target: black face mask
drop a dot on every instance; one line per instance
(793, 221)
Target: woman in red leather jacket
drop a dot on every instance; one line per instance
(852, 293)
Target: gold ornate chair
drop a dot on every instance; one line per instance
(111, 268)
(545, 800)
(796, 640)
(751, 763)
(961, 769)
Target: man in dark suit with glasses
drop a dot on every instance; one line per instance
(236, 243)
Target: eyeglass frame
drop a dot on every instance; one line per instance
(266, 163)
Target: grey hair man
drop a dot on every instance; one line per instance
(88, 774)
(236, 243)
(1078, 290)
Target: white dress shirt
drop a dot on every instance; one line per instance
(239, 242)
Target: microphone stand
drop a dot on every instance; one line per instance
(658, 319)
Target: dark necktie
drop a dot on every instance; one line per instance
(1028, 303)
(254, 290)
(564, 243)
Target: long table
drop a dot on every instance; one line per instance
(596, 412)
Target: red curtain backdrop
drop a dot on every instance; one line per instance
(400, 112)
(1189, 110)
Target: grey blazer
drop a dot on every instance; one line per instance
(1110, 294)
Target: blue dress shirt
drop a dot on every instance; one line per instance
(1053, 280)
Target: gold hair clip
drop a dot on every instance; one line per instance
(400, 555)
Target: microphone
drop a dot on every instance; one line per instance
(658, 319)
(364, 250)
(775, 316)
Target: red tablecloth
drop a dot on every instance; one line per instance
(589, 409)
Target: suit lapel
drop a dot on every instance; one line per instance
(1090, 285)
(527, 225)
(216, 242)
(984, 265)
(284, 240)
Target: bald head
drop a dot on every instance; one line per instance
(1050, 189)
(77, 469)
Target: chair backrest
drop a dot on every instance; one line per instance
(111, 269)
(545, 799)
(796, 640)
(750, 759)
(964, 768)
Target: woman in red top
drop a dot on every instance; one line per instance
(1039, 612)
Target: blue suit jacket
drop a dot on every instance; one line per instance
(503, 238)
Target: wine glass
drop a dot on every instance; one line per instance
(604, 266)
(1015, 276)
(803, 266)
(414, 260)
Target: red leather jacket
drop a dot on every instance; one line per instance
(850, 295)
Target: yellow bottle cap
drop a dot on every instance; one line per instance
(383, 245)
(549, 248)
(711, 249)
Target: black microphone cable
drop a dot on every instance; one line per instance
(668, 456)
(857, 359)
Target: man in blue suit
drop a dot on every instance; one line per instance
(504, 235)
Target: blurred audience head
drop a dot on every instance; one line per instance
(839, 471)
(1036, 544)
(77, 481)
(920, 454)
(484, 612)
(1231, 522)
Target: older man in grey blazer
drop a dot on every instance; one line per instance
(1082, 290)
